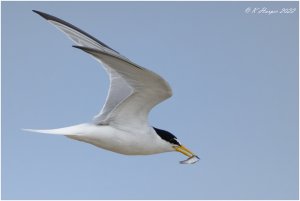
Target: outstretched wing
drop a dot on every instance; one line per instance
(148, 89)
(133, 90)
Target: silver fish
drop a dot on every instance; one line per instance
(191, 160)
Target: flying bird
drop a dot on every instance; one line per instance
(122, 125)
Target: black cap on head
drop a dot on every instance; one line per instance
(167, 136)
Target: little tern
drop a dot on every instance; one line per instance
(122, 124)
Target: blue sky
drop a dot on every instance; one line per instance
(235, 81)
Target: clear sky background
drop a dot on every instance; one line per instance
(235, 104)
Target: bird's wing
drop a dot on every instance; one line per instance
(77, 35)
(148, 89)
(133, 90)
(82, 38)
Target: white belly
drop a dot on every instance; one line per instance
(123, 142)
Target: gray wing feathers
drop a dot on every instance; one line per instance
(81, 38)
(147, 90)
(133, 90)
(119, 90)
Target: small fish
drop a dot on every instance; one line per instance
(191, 160)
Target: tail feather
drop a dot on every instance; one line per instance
(70, 130)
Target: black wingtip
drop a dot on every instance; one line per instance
(86, 49)
(78, 47)
(56, 19)
(44, 15)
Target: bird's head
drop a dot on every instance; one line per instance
(175, 144)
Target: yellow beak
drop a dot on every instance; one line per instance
(184, 150)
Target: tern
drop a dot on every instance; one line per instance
(122, 125)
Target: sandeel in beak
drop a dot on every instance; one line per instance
(192, 157)
(191, 160)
